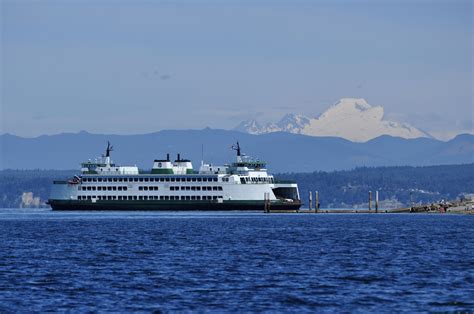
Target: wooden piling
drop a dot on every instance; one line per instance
(316, 205)
(376, 201)
(266, 202)
(310, 200)
(370, 201)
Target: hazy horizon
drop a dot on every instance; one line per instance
(139, 67)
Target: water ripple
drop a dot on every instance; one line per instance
(227, 262)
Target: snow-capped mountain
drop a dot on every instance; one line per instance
(350, 118)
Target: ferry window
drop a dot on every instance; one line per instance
(109, 188)
(114, 197)
(183, 198)
(152, 179)
(120, 180)
(172, 179)
(214, 197)
(83, 188)
(135, 179)
(167, 179)
(109, 179)
(171, 188)
(94, 180)
(220, 196)
(188, 198)
(162, 197)
(219, 188)
(140, 188)
(130, 197)
(242, 180)
(88, 197)
(145, 198)
(193, 188)
(214, 188)
(125, 188)
(188, 179)
(109, 197)
(215, 179)
(146, 180)
(198, 188)
(140, 198)
(100, 179)
(167, 197)
(120, 188)
(199, 179)
(193, 197)
(209, 197)
(135, 197)
(145, 188)
(115, 179)
(93, 188)
(140, 179)
(188, 188)
(162, 179)
(193, 179)
(198, 198)
(204, 179)
(178, 179)
(114, 188)
(120, 198)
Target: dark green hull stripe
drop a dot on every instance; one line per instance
(170, 205)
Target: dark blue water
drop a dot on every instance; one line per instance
(52, 261)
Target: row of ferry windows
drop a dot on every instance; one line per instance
(149, 179)
(104, 188)
(151, 197)
(196, 188)
(245, 180)
(150, 188)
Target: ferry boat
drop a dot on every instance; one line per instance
(243, 185)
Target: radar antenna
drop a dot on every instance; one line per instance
(236, 147)
(109, 149)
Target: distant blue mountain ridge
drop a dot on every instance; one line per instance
(284, 152)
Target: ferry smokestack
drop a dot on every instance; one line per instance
(168, 157)
(179, 157)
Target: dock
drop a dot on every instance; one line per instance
(465, 207)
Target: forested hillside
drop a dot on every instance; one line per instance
(397, 186)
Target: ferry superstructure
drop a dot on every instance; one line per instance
(243, 185)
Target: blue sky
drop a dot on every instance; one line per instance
(130, 67)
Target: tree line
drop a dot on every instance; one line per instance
(347, 188)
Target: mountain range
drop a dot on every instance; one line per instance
(284, 152)
(350, 118)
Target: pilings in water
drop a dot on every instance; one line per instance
(370, 201)
(266, 202)
(376, 201)
(310, 200)
(316, 205)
